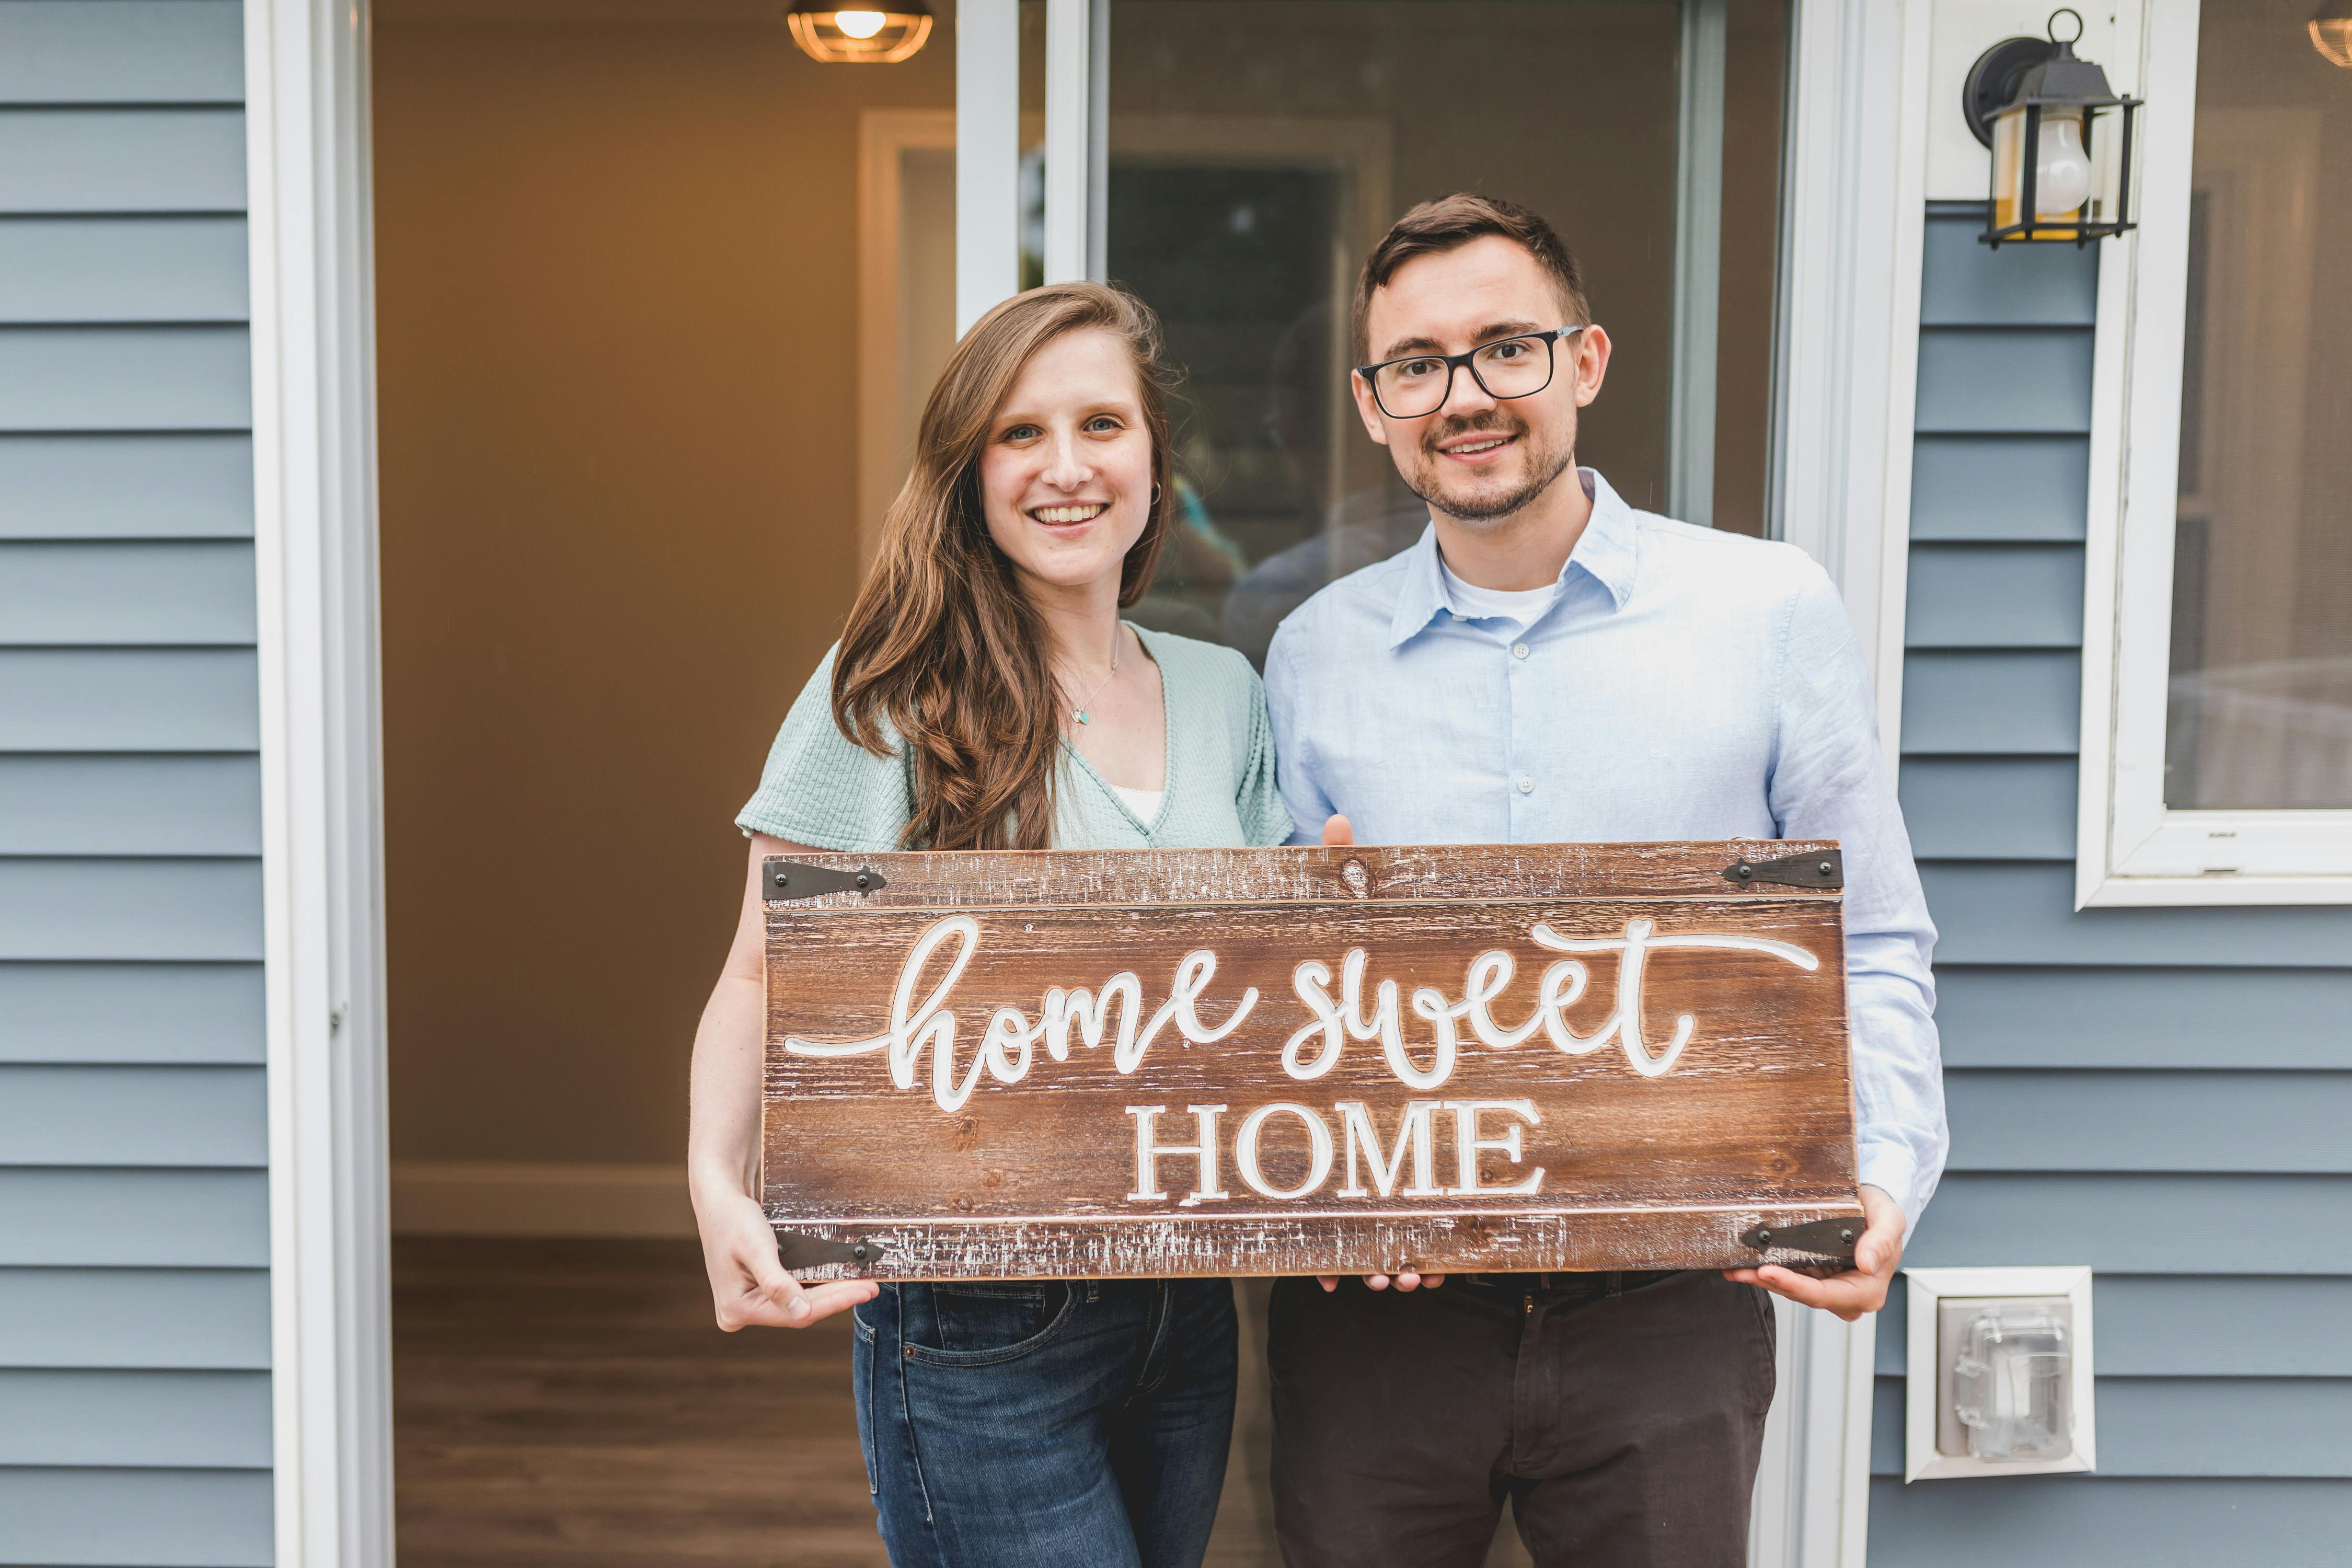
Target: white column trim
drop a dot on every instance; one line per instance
(1853, 217)
(314, 536)
(988, 156)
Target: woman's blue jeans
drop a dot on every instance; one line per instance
(1063, 1424)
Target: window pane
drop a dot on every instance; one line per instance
(2261, 711)
(1256, 153)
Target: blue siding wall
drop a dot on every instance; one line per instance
(134, 1291)
(2162, 1094)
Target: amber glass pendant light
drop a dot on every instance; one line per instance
(860, 35)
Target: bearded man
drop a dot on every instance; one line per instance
(1549, 665)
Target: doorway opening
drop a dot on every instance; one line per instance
(618, 253)
(659, 299)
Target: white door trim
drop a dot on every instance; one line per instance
(314, 538)
(1699, 260)
(1849, 336)
(988, 156)
(1854, 220)
(883, 297)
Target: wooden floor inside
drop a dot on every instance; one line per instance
(571, 1405)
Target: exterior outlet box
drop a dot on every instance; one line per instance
(2003, 1367)
(1998, 1370)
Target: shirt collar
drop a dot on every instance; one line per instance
(1604, 553)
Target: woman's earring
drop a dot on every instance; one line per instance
(1155, 495)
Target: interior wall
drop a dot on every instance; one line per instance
(617, 337)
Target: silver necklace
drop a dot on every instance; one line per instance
(1078, 709)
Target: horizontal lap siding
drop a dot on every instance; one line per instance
(123, 592)
(150, 804)
(211, 1319)
(2160, 1093)
(133, 1217)
(161, 485)
(2202, 1427)
(2096, 1522)
(134, 1243)
(2201, 1325)
(159, 1012)
(93, 1517)
(122, 269)
(2014, 1016)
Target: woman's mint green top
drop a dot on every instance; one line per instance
(820, 790)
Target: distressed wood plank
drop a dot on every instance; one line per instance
(921, 1098)
(964, 878)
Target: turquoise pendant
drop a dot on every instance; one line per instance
(1084, 719)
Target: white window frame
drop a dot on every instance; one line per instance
(2133, 849)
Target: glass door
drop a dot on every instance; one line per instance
(1232, 161)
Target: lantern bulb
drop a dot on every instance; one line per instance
(2061, 168)
(859, 24)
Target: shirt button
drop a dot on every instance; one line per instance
(1518, 650)
(1527, 786)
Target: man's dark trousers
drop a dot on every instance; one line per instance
(1622, 1414)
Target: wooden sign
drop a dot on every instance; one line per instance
(1074, 1064)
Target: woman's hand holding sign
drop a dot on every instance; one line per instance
(749, 1286)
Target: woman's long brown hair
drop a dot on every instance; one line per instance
(942, 647)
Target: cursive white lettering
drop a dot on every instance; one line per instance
(1091, 1013)
(1625, 1024)
(1009, 1039)
(1008, 1042)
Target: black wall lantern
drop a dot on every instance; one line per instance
(2039, 109)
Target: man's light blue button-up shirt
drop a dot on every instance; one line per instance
(1683, 684)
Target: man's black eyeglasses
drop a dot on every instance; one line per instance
(1418, 384)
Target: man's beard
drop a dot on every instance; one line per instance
(1543, 467)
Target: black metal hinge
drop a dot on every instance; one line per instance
(784, 881)
(1823, 1237)
(799, 1251)
(1823, 868)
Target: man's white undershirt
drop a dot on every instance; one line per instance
(1521, 606)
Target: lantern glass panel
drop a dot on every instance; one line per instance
(2069, 170)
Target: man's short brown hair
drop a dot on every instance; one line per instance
(1448, 223)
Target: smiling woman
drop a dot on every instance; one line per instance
(978, 699)
(970, 643)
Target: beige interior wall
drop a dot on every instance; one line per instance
(616, 255)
